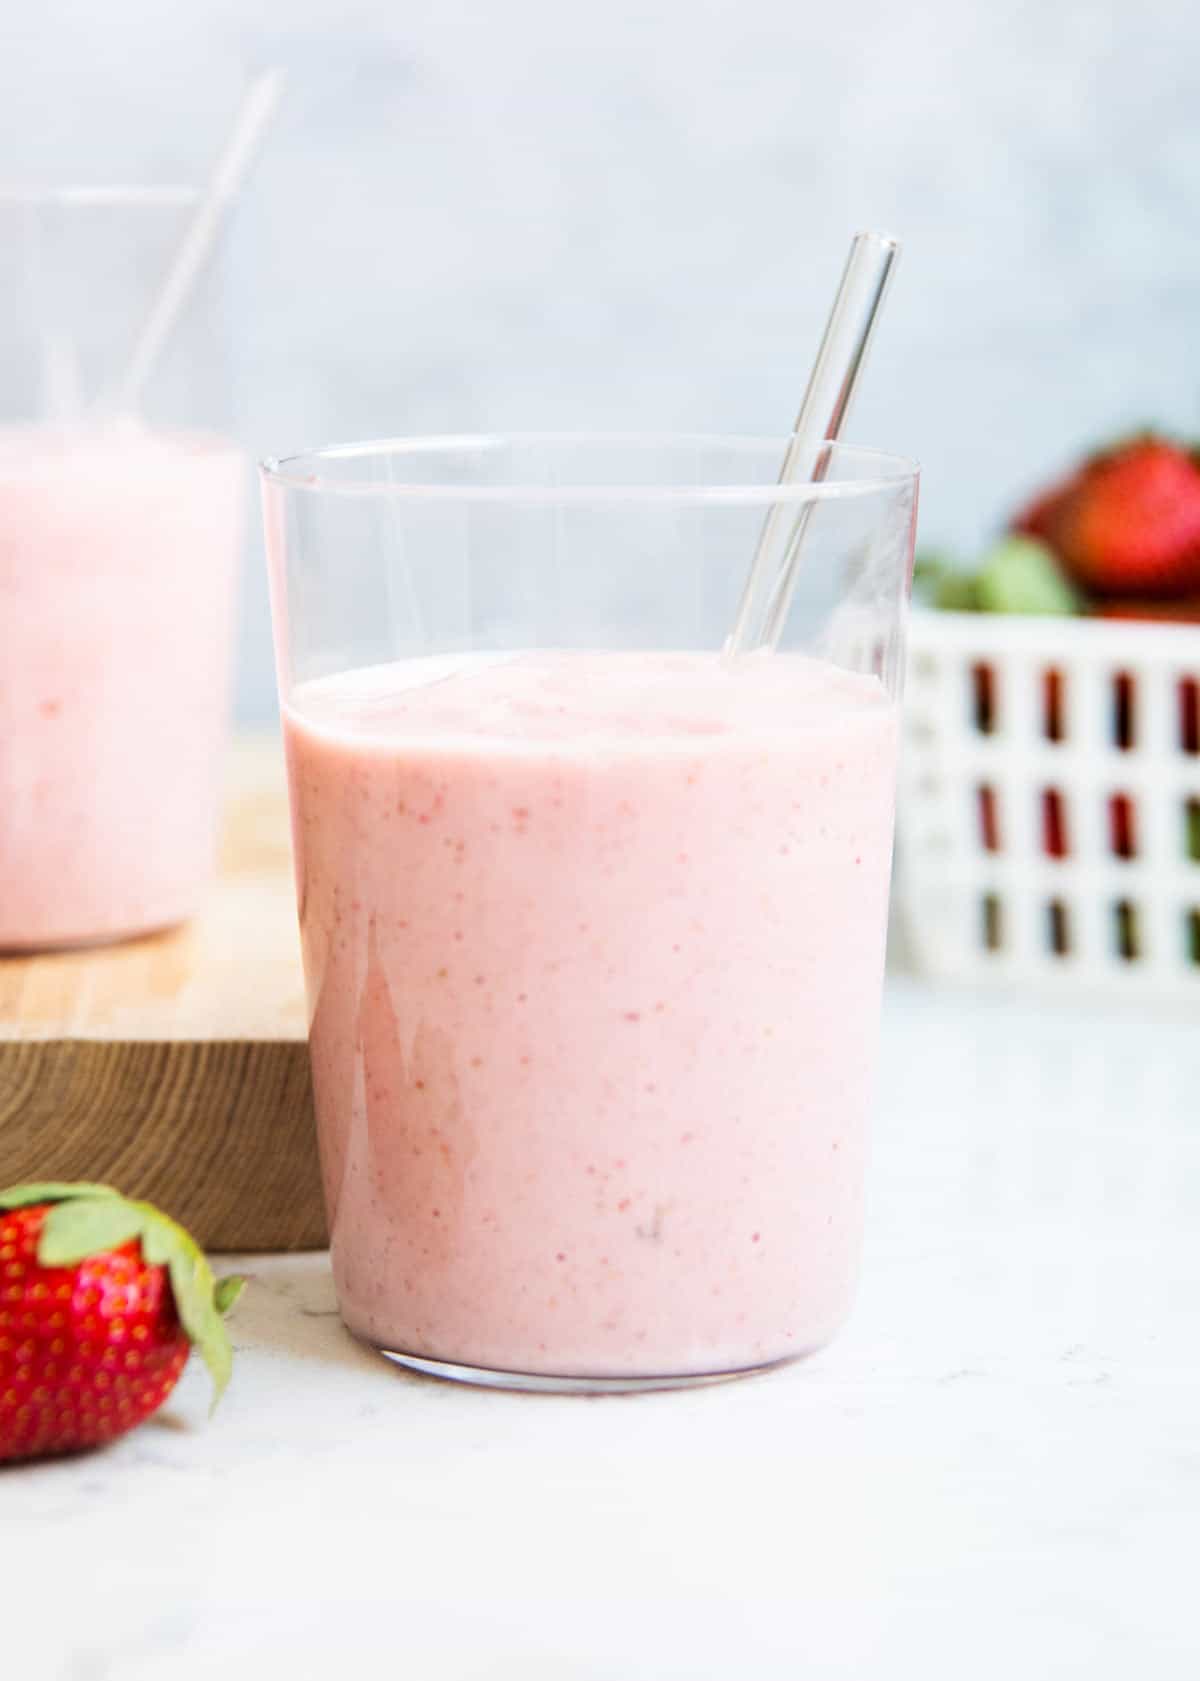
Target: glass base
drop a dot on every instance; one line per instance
(545, 1383)
(66, 944)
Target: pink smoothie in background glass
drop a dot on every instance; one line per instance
(594, 945)
(118, 553)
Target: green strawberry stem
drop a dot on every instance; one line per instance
(87, 1220)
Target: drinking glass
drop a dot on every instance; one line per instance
(119, 541)
(592, 911)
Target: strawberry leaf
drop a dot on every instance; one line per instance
(24, 1196)
(74, 1231)
(188, 1292)
(957, 592)
(164, 1243)
(157, 1241)
(1021, 575)
(227, 1292)
(217, 1353)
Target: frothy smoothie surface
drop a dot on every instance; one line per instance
(593, 946)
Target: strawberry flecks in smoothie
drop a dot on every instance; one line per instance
(592, 1043)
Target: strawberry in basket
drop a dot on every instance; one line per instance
(1119, 537)
(1127, 524)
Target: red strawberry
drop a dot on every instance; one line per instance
(1130, 523)
(100, 1301)
(1038, 518)
(1186, 610)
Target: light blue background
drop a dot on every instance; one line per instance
(543, 214)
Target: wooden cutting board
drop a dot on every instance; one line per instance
(175, 1066)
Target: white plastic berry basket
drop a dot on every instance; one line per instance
(1050, 802)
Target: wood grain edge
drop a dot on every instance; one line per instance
(219, 1133)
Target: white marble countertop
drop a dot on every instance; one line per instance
(994, 1472)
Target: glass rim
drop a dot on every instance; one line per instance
(301, 470)
(106, 196)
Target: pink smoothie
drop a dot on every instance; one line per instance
(117, 560)
(593, 946)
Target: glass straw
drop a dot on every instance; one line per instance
(767, 596)
(228, 174)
